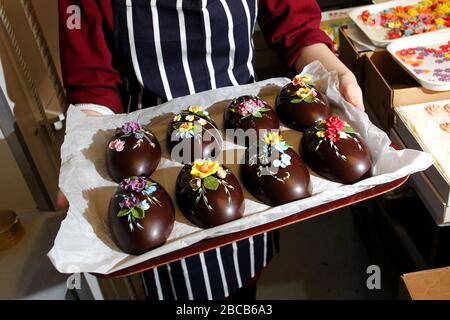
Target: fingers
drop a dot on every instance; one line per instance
(351, 92)
(61, 200)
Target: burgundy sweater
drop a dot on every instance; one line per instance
(91, 75)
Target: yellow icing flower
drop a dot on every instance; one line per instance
(186, 126)
(204, 168)
(442, 9)
(303, 92)
(177, 118)
(439, 21)
(320, 134)
(190, 118)
(272, 138)
(202, 122)
(412, 12)
(195, 109)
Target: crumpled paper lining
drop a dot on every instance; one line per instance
(83, 243)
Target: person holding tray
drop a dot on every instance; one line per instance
(126, 55)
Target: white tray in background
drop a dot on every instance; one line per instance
(378, 34)
(433, 39)
(420, 130)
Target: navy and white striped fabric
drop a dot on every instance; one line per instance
(173, 48)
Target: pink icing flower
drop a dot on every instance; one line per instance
(249, 107)
(117, 145)
(333, 135)
(434, 109)
(447, 107)
(445, 126)
(334, 123)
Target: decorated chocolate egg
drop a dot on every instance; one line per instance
(133, 151)
(193, 134)
(209, 194)
(274, 173)
(141, 215)
(335, 151)
(251, 114)
(300, 105)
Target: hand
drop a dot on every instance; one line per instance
(349, 88)
(61, 200)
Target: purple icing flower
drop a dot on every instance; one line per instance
(131, 127)
(134, 184)
(129, 202)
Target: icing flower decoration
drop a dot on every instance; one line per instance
(275, 140)
(445, 126)
(251, 106)
(447, 107)
(139, 132)
(202, 122)
(117, 145)
(283, 162)
(186, 130)
(402, 21)
(177, 118)
(302, 80)
(204, 168)
(332, 130)
(189, 118)
(198, 111)
(434, 109)
(206, 175)
(130, 205)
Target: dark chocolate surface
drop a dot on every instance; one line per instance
(223, 210)
(274, 192)
(157, 224)
(326, 163)
(299, 116)
(140, 161)
(207, 146)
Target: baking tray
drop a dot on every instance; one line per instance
(377, 34)
(429, 69)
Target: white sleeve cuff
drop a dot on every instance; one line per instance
(94, 107)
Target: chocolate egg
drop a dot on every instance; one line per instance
(133, 151)
(209, 199)
(277, 185)
(299, 105)
(250, 112)
(141, 215)
(193, 134)
(336, 152)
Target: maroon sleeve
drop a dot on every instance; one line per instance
(86, 60)
(290, 25)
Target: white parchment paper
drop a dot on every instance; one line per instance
(83, 243)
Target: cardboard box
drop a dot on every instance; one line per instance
(387, 85)
(424, 186)
(351, 56)
(433, 284)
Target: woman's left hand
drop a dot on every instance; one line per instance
(349, 88)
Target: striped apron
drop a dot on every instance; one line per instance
(173, 48)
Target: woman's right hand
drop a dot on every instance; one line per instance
(61, 200)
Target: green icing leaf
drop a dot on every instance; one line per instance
(349, 129)
(137, 212)
(296, 100)
(211, 183)
(257, 115)
(123, 212)
(310, 99)
(263, 109)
